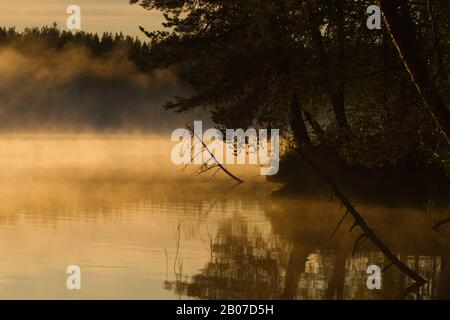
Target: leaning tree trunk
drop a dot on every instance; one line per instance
(297, 124)
(403, 37)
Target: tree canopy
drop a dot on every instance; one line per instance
(311, 68)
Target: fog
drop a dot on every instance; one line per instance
(69, 90)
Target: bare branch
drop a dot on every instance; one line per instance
(339, 224)
(355, 246)
(214, 158)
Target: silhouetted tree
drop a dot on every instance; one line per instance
(282, 63)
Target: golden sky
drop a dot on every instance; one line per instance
(96, 15)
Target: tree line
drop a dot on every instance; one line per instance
(53, 37)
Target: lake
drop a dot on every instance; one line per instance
(141, 228)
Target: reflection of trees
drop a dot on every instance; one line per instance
(250, 262)
(244, 265)
(294, 269)
(444, 279)
(335, 288)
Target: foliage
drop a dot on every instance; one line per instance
(246, 59)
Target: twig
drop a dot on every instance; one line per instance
(354, 225)
(387, 267)
(177, 243)
(214, 158)
(167, 263)
(355, 246)
(339, 224)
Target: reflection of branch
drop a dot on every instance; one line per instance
(208, 243)
(367, 231)
(167, 263)
(339, 224)
(177, 243)
(205, 167)
(358, 240)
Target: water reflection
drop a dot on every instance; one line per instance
(140, 230)
(247, 263)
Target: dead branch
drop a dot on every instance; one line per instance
(355, 246)
(339, 224)
(354, 225)
(387, 267)
(205, 167)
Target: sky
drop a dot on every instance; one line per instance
(96, 16)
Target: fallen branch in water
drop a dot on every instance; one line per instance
(367, 231)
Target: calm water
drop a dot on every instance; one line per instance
(141, 229)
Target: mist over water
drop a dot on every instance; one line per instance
(109, 203)
(140, 228)
(86, 178)
(70, 90)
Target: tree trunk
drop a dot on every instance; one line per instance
(314, 125)
(298, 126)
(401, 31)
(334, 88)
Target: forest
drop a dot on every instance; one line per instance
(55, 38)
(58, 81)
(365, 111)
(372, 104)
(364, 177)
